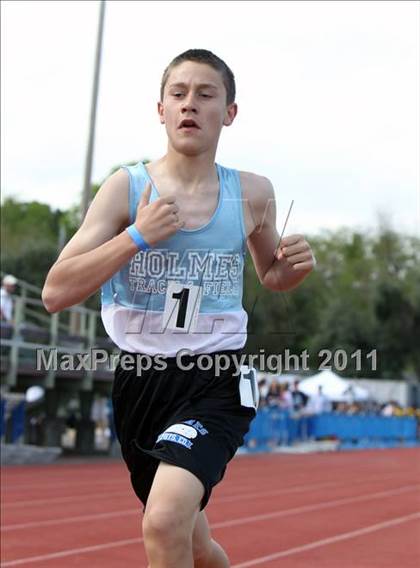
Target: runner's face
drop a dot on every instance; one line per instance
(194, 108)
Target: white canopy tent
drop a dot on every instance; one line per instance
(333, 387)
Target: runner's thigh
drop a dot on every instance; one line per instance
(175, 496)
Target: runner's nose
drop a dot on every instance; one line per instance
(189, 104)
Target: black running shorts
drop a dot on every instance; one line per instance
(189, 418)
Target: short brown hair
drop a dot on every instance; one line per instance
(209, 58)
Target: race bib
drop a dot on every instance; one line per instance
(248, 387)
(182, 306)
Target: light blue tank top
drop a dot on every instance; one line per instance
(186, 292)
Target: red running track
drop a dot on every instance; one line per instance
(335, 510)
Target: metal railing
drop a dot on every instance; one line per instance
(33, 328)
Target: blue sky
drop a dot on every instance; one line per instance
(328, 97)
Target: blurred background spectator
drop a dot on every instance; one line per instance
(300, 399)
(319, 403)
(286, 398)
(274, 394)
(8, 287)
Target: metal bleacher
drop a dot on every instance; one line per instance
(74, 330)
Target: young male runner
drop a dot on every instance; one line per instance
(167, 244)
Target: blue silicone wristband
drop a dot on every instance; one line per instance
(137, 237)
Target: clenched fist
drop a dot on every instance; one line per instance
(158, 220)
(296, 252)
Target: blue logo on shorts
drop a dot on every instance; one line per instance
(170, 437)
(183, 433)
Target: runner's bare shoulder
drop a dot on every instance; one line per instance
(255, 186)
(106, 217)
(258, 198)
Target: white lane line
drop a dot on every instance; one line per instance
(315, 507)
(69, 498)
(79, 519)
(9, 484)
(330, 540)
(223, 524)
(227, 499)
(73, 551)
(110, 514)
(9, 488)
(123, 483)
(128, 493)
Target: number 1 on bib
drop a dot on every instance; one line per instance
(182, 305)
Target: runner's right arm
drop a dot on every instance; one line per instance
(101, 246)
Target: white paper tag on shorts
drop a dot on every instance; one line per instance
(182, 305)
(248, 387)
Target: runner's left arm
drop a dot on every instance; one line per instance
(280, 265)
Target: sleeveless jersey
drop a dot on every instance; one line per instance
(185, 292)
